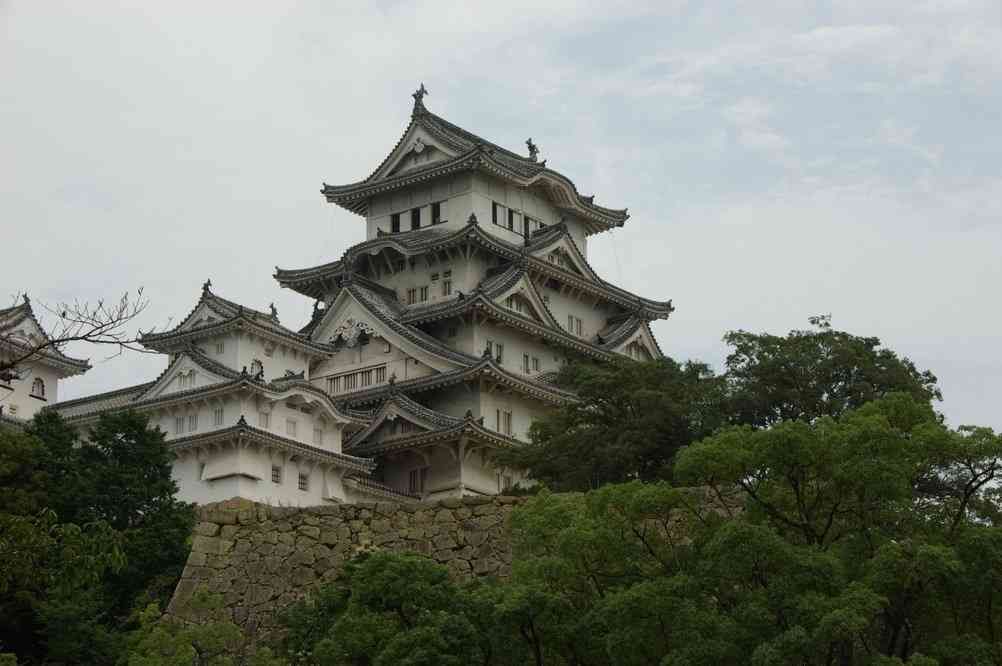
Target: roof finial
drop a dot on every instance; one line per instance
(27, 301)
(533, 149)
(274, 311)
(472, 219)
(207, 285)
(419, 98)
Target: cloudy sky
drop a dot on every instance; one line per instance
(779, 159)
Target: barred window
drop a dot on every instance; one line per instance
(217, 416)
(381, 374)
(193, 422)
(290, 427)
(318, 436)
(264, 420)
(304, 481)
(276, 474)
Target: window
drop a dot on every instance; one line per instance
(436, 212)
(503, 422)
(411, 296)
(257, 368)
(381, 375)
(178, 425)
(415, 218)
(434, 277)
(276, 474)
(447, 287)
(350, 382)
(418, 479)
(217, 416)
(570, 323)
(38, 388)
(201, 471)
(489, 348)
(193, 422)
(386, 347)
(366, 377)
(333, 384)
(318, 436)
(304, 481)
(424, 294)
(577, 325)
(290, 427)
(525, 225)
(453, 331)
(525, 363)
(499, 355)
(219, 347)
(264, 420)
(511, 220)
(535, 364)
(495, 212)
(504, 482)
(447, 274)
(395, 222)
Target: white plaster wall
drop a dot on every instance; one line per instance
(250, 347)
(449, 190)
(442, 477)
(372, 355)
(524, 411)
(16, 398)
(593, 319)
(516, 343)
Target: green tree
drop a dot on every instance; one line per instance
(807, 374)
(629, 421)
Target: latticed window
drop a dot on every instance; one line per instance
(499, 352)
(276, 474)
(38, 387)
(178, 425)
(217, 416)
(264, 420)
(525, 363)
(318, 436)
(424, 294)
(417, 480)
(447, 287)
(381, 374)
(411, 296)
(290, 427)
(193, 422)
(304, 481)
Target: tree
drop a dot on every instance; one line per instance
(100, 323)
(115, 487)
(812, 373)
(629, 420)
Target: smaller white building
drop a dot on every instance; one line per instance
(33, 382)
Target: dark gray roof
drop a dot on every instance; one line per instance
(12, 317)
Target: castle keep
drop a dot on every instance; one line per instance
(432, 343)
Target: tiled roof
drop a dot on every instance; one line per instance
(469, 427)
(316, 282)
(377, 489)
(407, 407)
(12, 317)
(472, 152)
(242, 429)
(231, 315)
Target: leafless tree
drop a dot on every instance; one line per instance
(101, 323)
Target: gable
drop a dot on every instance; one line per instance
(640, 346)
(184, 374)
(564, 254)
(523, 298)
(417, 148)
(203, 315)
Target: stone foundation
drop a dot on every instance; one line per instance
(262, 558)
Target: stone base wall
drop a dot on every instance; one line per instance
(262, 558)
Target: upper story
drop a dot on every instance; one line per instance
(31, 366)
(438, 174)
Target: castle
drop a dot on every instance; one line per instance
(432, 344)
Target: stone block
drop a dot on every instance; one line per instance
(207, 529)
(311, 531)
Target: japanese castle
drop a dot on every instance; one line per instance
(432, 344)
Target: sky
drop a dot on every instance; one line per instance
(779, 160)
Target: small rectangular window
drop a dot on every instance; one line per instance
(489, 348)
(201, 471)
(499, 356)
(217, 416)
(290, 427)
(578, 326)
(415, 218)
(447, 274)
(453, 331)
(381, 375)
(366, 377)
(178, 425)
(304, 481)
(447, 287)
(506, 422)
(436, 212)
(495, 212)
(193, 422)
(411, 296)
(318, 436)
(276, 474)
(535, 364)
(525, 363)
(219, 347)
(424, 294)
(525, 225)
(511, 220)
(264, 420)
(434, 277)
(395, 222)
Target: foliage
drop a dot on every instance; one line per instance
(867, 539)
(89, 533)
(807, 374)
(630, 420)
(165, 641)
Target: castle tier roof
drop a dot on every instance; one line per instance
(226, 316)
(318, 281)
(486, 369)
(396, 405)
(11, 320)
(376, 489)
(471, 153)
(246, 432)
(144, 397)
(471, 428)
